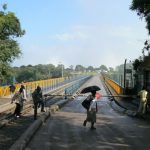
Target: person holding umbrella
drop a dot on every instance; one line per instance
(92, 109)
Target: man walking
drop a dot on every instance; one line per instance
(143, 101)
(37, 100)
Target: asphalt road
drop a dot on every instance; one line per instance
(114, 131)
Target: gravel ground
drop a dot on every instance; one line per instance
(10, 133)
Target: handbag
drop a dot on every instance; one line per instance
(86, 103)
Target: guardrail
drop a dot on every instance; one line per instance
(116, 87)
(46, 85)
(71, 89)
(30, 86)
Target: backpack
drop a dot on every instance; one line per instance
(86, 103)
(34, 96)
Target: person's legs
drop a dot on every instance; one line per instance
(92, 126)
(140, 108)
(17, 111)
(87, 118)
(21, 107)
(35, 111)
(144, 108)
(84, 123)
(93, 119)
(42, 106)
(39, 104)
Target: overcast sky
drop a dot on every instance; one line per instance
(72, 32)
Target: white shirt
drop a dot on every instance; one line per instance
(93, 104)
(143, 95)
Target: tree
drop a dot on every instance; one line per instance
(90, 68)
(111, 69)
(142, 7)
(10, 29)
(79, 68)
(71, 67)
(25, 75)
(103, 68)
(136, 64)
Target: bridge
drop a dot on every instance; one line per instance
(61, 126)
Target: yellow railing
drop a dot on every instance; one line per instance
(30, 86)
(117, 88)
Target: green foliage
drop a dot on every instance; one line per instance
(79, 68)
(9, 50)
(5, 7)
(41, 72)
(142, 7)
(90, 68)
(25, 73)
(37, 72)
(103, 68)
(136, 64)
(111, 69)
(10, 29)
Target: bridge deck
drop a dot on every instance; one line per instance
(64, 130)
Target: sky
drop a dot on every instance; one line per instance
(78, 32)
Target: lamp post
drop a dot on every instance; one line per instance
(131, 73)
(125, 74)
(62, 71)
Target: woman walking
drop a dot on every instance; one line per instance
(91, 112)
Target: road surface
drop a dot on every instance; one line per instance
(114, 131)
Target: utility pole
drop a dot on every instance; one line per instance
(125, 74)
(62, 71)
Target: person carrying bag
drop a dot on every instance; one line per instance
(91, 111)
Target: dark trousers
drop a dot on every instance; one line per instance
(35, 110)
(42, 105)
(36, 105)
(17, 109)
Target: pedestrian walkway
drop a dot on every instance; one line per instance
(130, 107)
(64, 129)
(127, 105)
(4, 101)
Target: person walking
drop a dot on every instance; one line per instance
(12, 89)
(148, 101)
(22, 90)
(143, 101)
(91, 111)
(17, 98)
(38, 100)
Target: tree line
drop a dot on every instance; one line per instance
(41, 71)
(10, 30)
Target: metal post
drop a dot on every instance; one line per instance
(62, 71)
(125, 74)
(121, 80)
(65, 93)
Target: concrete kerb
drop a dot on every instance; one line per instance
(21, 143)
(26, 137)
(117, 106)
